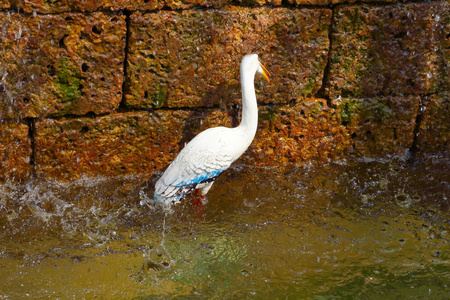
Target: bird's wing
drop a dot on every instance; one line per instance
(195, 165)
(182, 176)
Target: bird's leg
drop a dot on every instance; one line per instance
(197, 200)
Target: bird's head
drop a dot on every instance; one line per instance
(251, 63)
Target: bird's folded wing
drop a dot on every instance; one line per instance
(185, 174)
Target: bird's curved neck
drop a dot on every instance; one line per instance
(249, 122)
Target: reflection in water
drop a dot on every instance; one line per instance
(367, 229)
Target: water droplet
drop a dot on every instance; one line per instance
(383, 184)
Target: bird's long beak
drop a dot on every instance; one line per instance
(265, 72)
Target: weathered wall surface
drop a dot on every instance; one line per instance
(57, 65)
(118, 87)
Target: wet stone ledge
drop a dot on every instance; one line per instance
(191, 58)
(384, 50)
(61, 64)
(15, 152)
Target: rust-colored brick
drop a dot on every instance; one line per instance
(15, 152)
(329, 2)
(116, 144)
(62, 64)
(380, 126)
(5, 4)
(434, 133)
(59, 6)
(191, 58)
(307, 132)
(390, 50)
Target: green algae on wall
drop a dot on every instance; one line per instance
(68, 83)
(380, 126)
(348, 108)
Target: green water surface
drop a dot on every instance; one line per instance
(348, 230)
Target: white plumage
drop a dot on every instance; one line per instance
(212, 151)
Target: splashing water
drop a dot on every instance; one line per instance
(367, 229)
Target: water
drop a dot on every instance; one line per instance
(349, 230)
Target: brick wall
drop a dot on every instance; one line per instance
(118, 87)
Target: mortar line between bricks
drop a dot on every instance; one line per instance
(31, 135)
(321, 93)
(122, 105)
(413, 149)
(201, 108)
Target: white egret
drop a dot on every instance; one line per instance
(212, 151)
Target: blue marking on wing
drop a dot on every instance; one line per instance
(201, 178)
(180, 188)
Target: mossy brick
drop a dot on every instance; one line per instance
(434, 131)
(15, 152)
(380, 126)
(304, 133)
(59, 6)
(53, 65)
(390, 50)
(191, 58)
(116, 144)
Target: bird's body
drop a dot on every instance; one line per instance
(212, 151)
